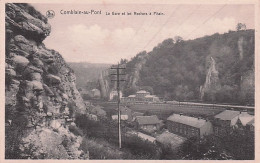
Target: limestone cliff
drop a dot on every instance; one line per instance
(41, 99)
(131, 78)
(212, 79)
(134, 75)
(104, 84)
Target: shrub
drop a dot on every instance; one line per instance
(76, 131)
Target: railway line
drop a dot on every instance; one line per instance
(193, 104)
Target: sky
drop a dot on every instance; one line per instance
(101, 38)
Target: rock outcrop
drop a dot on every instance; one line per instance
(104, 84)
(40, 91)
(131, 78)
(212, 79)
(134, 76)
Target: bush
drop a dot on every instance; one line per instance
(99, 149)
(141, 149)
(76, 131)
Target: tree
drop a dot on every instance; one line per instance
(130, 91)
(123, 61)
(240, 26)
(178, 39)
(148, 89)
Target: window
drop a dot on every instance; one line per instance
(192, 131)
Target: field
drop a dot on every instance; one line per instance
(163, 111)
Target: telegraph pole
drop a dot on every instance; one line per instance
(118, 68)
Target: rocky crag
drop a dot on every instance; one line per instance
(41, 99)
(131, 78)
(212, 79)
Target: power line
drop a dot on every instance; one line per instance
(187, 18)
(161, 27)
(214, 14)
(153, 20)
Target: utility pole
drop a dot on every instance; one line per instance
(117, 74)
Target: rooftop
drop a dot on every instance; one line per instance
(167, 138)
(145, 120)
(245, 118)
(146, 137)
(190, 121)
(149, 96)
(252, 122)
(142, 91)
(137, 114)
(227, 115)
(131, 96)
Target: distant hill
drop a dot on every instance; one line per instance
(216, 69)
(87, 72)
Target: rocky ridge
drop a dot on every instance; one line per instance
(41, 99)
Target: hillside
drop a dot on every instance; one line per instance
(215, 69)
(87, 72)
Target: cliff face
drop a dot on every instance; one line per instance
(134, 75)
(41, 98)
(212, 79)
(131, 78)
(104, 84)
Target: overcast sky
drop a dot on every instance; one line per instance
(107, 39)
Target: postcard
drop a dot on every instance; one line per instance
(130, 80)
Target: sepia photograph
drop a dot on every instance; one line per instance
(129, 80)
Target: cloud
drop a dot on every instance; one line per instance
(97, 44)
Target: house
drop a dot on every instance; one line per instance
(114, 94)
(251, 125)
(141, 96)
(97, 110)
(224, 122)
(147, 123)
(135, 114)
(130, 98)
(123, 117)
(151, 98)
(169, 139)
(126, 114)
(146, 137)
(243, 119)
(188, 126)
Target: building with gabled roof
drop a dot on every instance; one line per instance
(126, 113)
(141, 96)
(135, 114)
(188, 126)
(114, 94)
(251, 125)
(224, 122)
(147, 123)
(243, 120)
(98, 110)
(170, 139)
